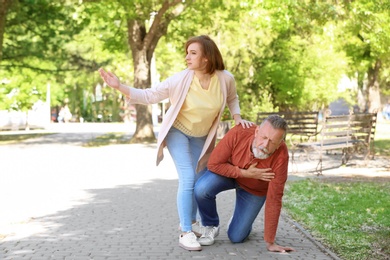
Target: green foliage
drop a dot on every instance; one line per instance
(40, 29)
(285, 55)
(34, 50)
(351, 216)
(364, 36)
(169, 59)
(29, 89)
(300, 68)
(280, 58)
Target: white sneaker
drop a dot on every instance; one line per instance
(188, 242)
(209, 235)
(198, 229)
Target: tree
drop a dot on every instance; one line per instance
(34, 52)
(146, 22)
(365, 35)
(285, 55)
(281, 54)
(143, 41)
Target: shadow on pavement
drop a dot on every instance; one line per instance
(129, 222)
(112, 203)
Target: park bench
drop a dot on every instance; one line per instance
(352, 134)
(303, 126)
(223, 128)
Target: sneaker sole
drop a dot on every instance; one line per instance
(190, 248)
(206, 243)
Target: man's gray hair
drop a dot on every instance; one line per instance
(277, 122)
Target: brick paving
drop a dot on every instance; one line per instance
(60, 200)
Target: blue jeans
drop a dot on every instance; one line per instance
(246, 210)
(185, 151)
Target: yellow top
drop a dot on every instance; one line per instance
(200, 108)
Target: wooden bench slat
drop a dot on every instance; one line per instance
(303, 124)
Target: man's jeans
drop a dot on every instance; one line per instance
(185, 151)
(246, 210)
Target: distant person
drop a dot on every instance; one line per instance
(198, 96)
(254, 162)
(54, 117)
(386, 111)
(64, 116)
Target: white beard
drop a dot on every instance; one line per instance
(260, 152)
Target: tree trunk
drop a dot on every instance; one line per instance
(144, 130)
(143, 42)
(374, 101)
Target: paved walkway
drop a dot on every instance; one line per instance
(61, 200)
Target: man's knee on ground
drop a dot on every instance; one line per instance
(236, 238)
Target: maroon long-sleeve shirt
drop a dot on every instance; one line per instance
(234, 152)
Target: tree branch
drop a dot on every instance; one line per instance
(78, 62)
(36, 68)
(161, 21)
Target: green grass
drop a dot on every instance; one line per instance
(350, 217)
(108, 139)
(382, 147)
(15, 138)
(382, 139)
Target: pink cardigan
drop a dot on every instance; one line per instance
(175, 88)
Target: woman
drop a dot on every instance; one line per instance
(198, 96)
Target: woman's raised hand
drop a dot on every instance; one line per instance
(110, 78)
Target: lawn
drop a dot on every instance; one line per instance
(349, 215)
(108, 139)
(6, 138)
(382, 138)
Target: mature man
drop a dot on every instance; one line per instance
(254, 162)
